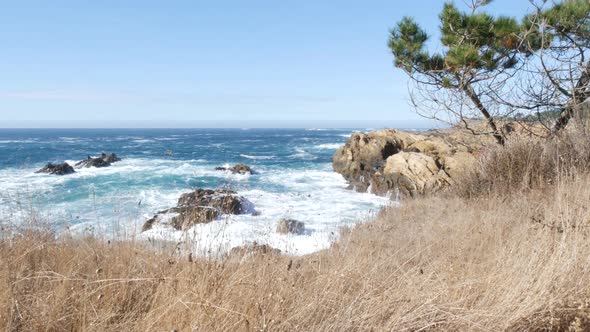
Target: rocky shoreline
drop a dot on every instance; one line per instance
(384, 162)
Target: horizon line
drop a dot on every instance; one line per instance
(185, 128)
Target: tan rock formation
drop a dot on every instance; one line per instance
(405, 164)
(364, 154)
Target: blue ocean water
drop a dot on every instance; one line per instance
(294, 179)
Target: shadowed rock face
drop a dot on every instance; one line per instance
(105, 160)
(199, 207)
(404, 164)
(237, 169)
(57, 169)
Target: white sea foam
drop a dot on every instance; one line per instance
(103, 203)
(72, 139)
(330, 146)
(167, 138)
(300, 153)
(316, 197)
(257, 157)
(19, 141)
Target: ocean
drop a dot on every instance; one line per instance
(294, 179)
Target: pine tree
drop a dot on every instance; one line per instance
(477, 47)
(562, 34)
(493, 67)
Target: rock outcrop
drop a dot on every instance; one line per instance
(237, 169)
(409, 174)
(404, 164)
(105, 160)
(199, 207)
(253, 249)
(290, 226)
(57, 169)
(365, 154)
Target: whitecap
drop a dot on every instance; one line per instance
(257, 157)
(302, 154)
(330, 146)
(167, 138)
(19, 141)
(72, 139)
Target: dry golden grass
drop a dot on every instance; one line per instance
(515, 261)
(527, 163)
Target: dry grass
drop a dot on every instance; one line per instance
(498, 263)
(516, 261)
(527, 163)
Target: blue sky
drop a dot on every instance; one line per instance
(207, 63)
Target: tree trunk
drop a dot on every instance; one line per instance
(580, 94)
(490, 120)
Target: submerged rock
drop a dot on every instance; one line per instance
(290, 226)
(199, 207)
(237, 169)
(57, 169)
(104, 160)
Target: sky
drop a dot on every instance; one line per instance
(190, 64)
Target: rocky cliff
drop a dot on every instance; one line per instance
(406, 164)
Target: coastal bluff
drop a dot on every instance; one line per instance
(407, 164)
